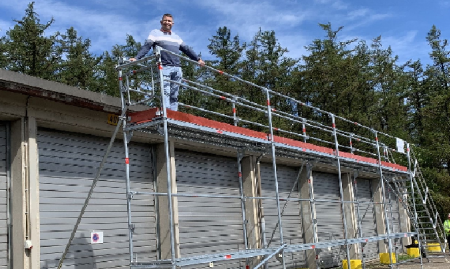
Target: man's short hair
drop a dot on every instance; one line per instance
(167, 15)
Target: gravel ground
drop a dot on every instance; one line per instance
(435, 263)
(438, 263)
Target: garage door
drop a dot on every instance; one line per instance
(67, 164)
(393, 214)
(367, 216)
(209, 225)
(3, 198)
(329, 216)
(291, 220)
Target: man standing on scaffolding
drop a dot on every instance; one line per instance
(447, 229)
(168, 40)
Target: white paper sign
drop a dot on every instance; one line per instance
(96, 237)
(400, 145)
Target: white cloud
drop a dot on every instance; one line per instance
(247, 17)
(408, 46)
(354, 14)
(367, 20)
(444, 3)
(104, 28)
(106, 23)
(5, 26)
(15, 6)
(336, 4)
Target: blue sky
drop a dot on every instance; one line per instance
(402, 24)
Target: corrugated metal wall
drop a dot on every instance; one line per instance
(3, 198)
(329, 214)
(67, 164)
(209, 225)
(367, 215)
(291, 219)
(393, 214)
(392, 210)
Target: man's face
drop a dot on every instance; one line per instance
(166, 23)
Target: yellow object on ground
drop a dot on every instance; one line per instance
(384, 258)
(413, 252)
(434, 247)
(354, 264)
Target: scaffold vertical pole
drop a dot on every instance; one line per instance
(167, 155)
(383, 198)
(126, 138)
(312, 203)
(260, 206)
(411, 179)
(304, 129)
(128, 191)
(274, 166)
(241, 190)
(358, 214)
(235, 119)
(351, 143)
(341, 189)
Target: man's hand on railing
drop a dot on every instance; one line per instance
(200, 62)
(132, 59)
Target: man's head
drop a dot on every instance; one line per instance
(167, 22)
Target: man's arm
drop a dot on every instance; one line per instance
(191, 53)
(145, 48)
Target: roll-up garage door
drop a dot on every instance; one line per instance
(393, 213)
(67, 165)
(392, 210)
(367, 216)
(291, 218)
(209, 225)
(3, 199)
(329, 216)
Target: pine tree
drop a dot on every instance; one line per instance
(27, 49)
(79, 68)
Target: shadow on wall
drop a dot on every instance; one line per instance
(80, 256)
(83, 253)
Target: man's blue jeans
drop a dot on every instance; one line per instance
(170, 98)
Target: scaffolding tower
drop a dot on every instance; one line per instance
(354, 147)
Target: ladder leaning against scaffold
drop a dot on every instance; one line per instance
(412, 192)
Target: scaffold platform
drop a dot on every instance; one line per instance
(202, 130)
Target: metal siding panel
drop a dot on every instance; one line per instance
(291, 220)
(68, 163)
(3, 198)
(367, 216)
(392, 210)
(393, 214)
(329, 215)
(209, 225)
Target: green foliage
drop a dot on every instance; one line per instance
(27, 50)
(79, 68)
